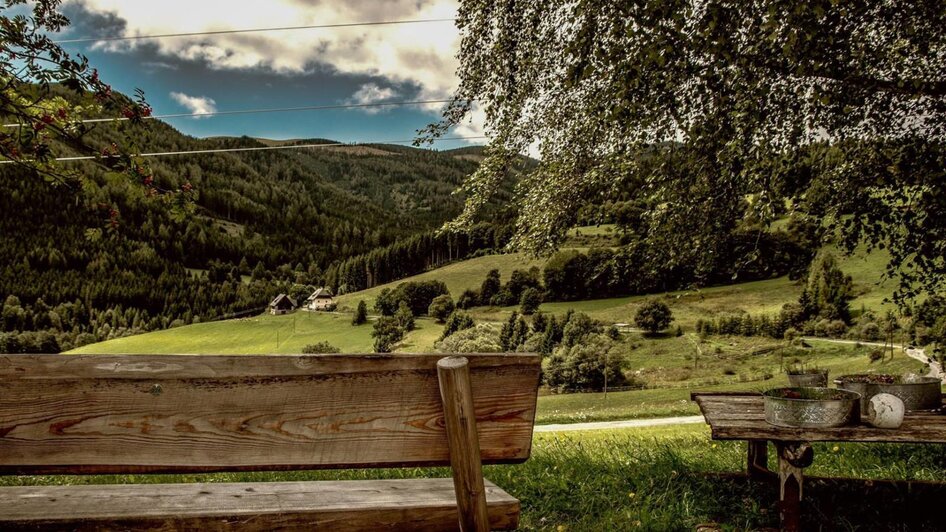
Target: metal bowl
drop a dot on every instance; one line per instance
(814, 408)
(856, 387)
(917, 393)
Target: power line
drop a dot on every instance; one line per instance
(263, 110)
(252, 148)
(252, 30)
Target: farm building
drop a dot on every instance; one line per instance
(282, 304)
(321, 299)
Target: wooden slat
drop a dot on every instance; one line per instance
(170, 413)
(742, 417)
(416, 504)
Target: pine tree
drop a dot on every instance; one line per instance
(361, 314)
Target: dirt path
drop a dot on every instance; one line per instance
(631, 423)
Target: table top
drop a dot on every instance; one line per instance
(740, 416)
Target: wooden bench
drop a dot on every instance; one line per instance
(63, 414)
(740, 416)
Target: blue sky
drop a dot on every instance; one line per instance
(277, 69)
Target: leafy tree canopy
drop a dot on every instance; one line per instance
(836, 106)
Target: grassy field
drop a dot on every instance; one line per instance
(458, 276)
(258, 335)
(673, 380)
(665, 478)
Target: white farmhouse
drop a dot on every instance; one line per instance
(321, 299)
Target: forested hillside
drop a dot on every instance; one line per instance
(82, 266)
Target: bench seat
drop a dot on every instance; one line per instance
(410, 504)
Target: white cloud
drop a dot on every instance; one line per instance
(195, 104)
(422, 55)
(372, 93)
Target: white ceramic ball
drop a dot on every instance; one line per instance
(885, 411)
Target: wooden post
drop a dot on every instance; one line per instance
(792, 459)
(463, 440)
(758, 463)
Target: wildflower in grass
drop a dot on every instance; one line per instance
(713, 446)
(631, 495)
(835, 449)
(561, 528)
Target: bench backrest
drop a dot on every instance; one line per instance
(95, 414)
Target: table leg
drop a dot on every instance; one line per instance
(758, 464)
(793, 457)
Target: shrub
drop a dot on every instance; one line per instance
(441, 308)
(791, 334)
(836, 329)
(320, 348)
(490, 287)
(404, 317)
(876, 355)
(417, 295)
(479, 339)
(583, 366)
(361, 314)
(386, 334)
(468, 299)
(530, 301)
(654, 316)
(578, 327)
(457, 321)
(870, 331)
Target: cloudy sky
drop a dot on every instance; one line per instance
(277, 69)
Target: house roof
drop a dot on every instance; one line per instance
(281, 299)
(320, 293)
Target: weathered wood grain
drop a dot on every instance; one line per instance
(741, 417)
(463, 442)
(167, 413)
(417, 504)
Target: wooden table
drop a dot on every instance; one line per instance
(740, 416)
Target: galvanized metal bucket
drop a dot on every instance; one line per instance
(917, 393)
(813, 408)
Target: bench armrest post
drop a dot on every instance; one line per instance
(456, 392)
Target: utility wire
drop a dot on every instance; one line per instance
(252, 148)
(256, 111)
(252, 30)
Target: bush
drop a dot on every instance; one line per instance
(478, 339)
(583, 366)
(490, 287)
(578, 327)
(836, 329)
(876, 355)
(821, 327)
(468, 299)
(870, 331)
(441, 308)
(530, 301)
(654, 316)
(386, 334)
(457, 321)
(404, 317)
(791, 334)
(417, 295)
(361, 314)
(320, 348)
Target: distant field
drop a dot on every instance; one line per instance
(458, 276)
(263, 334)
(668, 364)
